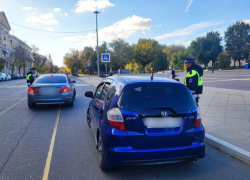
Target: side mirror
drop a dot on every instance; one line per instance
(89, 94)
(73, 81)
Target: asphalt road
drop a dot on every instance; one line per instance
(25, 139)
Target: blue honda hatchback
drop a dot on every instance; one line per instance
(136, 120)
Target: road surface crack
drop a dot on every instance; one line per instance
(17, 144)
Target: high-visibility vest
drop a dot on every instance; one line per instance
(28, 76)
(191, 74)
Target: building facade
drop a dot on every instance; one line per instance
(8, 43)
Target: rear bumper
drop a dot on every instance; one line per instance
(128, 155)
(64, 99)
(118, 150)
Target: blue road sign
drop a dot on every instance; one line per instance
(88, 64)
(105, 57)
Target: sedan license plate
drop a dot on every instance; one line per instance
(48, 91)
(167, 122)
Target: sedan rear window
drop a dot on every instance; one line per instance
(51, 79)
(139, 97)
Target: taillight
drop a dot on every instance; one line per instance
(198, 118)
(115, 119)
(32, 90)
(66, 89)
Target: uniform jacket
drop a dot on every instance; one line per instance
(31, 78)
(192, 79)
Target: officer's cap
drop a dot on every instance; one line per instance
(189, 59)
(32, 69)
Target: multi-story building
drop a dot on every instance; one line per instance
(7, 46)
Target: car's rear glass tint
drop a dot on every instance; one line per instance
(153, 96)
(51, 79)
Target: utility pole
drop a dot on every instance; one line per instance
(97, 47)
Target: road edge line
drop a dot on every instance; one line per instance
(228, 148)
(52, 143)
(6, 110)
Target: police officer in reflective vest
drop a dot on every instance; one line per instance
(30, 77)
(193, 79)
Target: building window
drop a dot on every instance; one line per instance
(4, 46)
(4, 38)
(11, 41)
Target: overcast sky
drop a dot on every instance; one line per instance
(167, 21)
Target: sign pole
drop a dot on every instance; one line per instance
(106, 70)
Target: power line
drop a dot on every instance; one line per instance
(51, 31)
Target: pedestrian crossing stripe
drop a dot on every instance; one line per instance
(26, 86)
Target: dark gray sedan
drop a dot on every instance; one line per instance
(51, 89)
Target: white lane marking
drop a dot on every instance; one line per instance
(1, 113)
(14, 86)
(10, 99)
(229, 80)
(81, 84)
(51, 148)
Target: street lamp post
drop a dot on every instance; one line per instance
(97, 47)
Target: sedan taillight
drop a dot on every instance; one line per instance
(32, 90)
(63, 90)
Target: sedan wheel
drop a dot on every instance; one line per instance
(72, 102)
(31, 105)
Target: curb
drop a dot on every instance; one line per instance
(223, 146)
(84, 81)
(228, 148)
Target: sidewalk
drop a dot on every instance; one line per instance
(225, 116)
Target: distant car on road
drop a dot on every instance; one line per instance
(14, 76)
(21, 76)
(136, 120)
(8, 77)
(3, 77)
(103, 75)
(51, 89)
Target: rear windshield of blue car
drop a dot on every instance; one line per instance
(139, 97)
(51, 79)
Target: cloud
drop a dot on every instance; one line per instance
(57, 9)
(47, 16)
(44, 19)
(49, 29)
(157, 25)
(190, 30)
(72, 38)
(121, 29)
(66, 14)
(27, 8)
(189, 4)
(92, 5)
(247, 21)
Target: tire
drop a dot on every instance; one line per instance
(88, 119)
(74, 93)
(72, 103)
(103, 166)
(31, 105)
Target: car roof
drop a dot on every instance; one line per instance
(141, 79)
(53, 75)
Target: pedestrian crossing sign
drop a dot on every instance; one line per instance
(105, 57)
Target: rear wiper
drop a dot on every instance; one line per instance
(173, 111)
